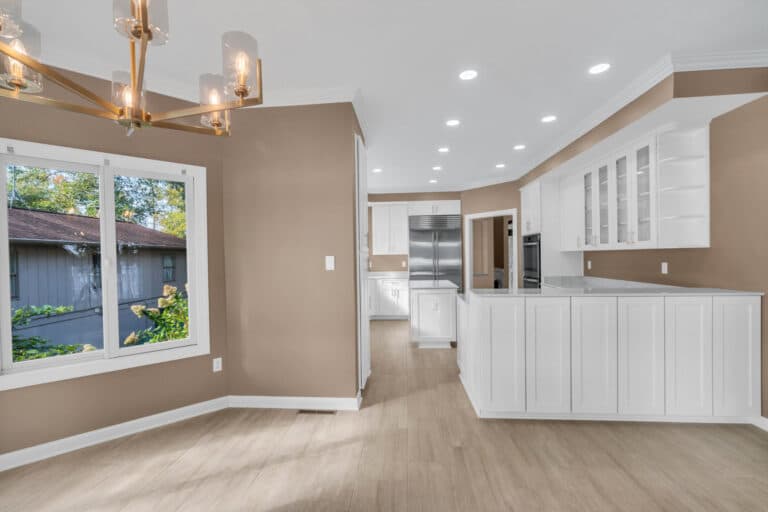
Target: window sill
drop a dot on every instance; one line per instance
(20, 378)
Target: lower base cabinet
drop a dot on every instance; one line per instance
(641, 355)
(736, 356)
(548, 354)
(388, 298)
(594, 355)
(433, 316)
(688, 356)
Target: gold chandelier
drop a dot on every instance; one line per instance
(142, 22)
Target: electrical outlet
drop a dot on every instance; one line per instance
(217, 364)
(664, 267)
(589, 264)
(403, 263)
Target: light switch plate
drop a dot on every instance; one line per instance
(330, 263)
(217, 364)
(589, 264)
(664, 267)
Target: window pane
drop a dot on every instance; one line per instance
(151, 260)
(54, 236)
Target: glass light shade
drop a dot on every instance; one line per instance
(122, 93)
(13, 74)
(127, 19)
(212, 93)
(240, 53)
(10, 18)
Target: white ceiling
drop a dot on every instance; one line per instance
(400, 62)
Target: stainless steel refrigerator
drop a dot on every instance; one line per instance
(434, 251)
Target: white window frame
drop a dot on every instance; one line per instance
(112, 357)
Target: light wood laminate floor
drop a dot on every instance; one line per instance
(415, 445)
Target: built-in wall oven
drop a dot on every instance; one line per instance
(532, 261)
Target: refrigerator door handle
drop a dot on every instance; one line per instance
(437, 255)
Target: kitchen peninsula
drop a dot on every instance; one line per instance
(589, 348)
(433, 313)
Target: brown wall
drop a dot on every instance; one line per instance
(50, 411)
(288, 202)
(739, 238)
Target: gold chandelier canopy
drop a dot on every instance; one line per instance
(143, 23)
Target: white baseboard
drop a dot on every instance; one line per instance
(761, 423)
(39, 452)
(68, 444)
(314, 403)
(614, 417)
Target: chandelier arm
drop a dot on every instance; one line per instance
(61, 105)
(60, 79)
(191, 129)
(132, 47)
(207, 109)
(139, 78)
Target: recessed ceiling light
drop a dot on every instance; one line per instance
(519, 147)
(443, 149)
(549, 119)
(452, 122)
(599, 68)
(376, 170)
(501, 166)
(433, 181)
(469, 74)
(437, 168)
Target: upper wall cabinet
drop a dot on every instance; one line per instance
(449, 207)
(530, 204)
(389, 226)
(653, 193)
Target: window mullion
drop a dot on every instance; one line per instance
(109, 295)
(6, 328)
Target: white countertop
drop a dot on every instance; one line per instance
(576, 286)
(433, 285)
(372, 274)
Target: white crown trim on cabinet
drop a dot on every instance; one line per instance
(50, 449)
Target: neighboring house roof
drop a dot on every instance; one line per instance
(46, 227)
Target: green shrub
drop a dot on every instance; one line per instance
(171, 319)
(35, 347)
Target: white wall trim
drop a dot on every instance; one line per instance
(68, 444)
(315, 403)
(761, 423)
(43, 451)
(720, 60)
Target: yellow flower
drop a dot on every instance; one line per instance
(153, 310)
(138, 309)
(89, 348)
(131, 339)
(169, 290)
(162, 302)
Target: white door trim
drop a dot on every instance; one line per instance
(468, 263)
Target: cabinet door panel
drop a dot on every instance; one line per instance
(435, 315)
(506, 355)
(380, 229)
(688, 336)
(641, 355)
(736, 354)
(571, 214)
(548, 355)
(401, 297)
(594, 355)
(398, 229)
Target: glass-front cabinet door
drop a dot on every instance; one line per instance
(603, 212)
(643, 218)
(622, 200)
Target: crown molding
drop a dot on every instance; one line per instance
(719, 60)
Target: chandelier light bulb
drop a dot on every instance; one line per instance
(16, 67)
(127, 97)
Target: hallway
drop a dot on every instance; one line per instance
(415, 445)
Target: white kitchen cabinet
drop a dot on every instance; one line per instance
(688, 339)
(571, 216)
(548, 354)
(462, 327)
(736, 356)
(641, 355)
(594, 354)
(389, 226)
(505, 355)
(433, 317)
(530, 205)
(643, 219)
(444, 207)
(388, 298)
